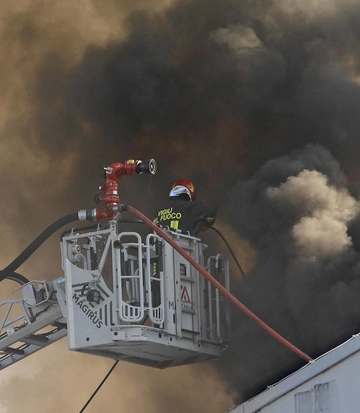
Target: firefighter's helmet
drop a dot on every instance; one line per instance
(183, 186)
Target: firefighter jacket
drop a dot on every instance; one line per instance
(187, 216)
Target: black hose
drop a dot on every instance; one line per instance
(99, 386)
(231, 251)
(18, 278)
(13, 266)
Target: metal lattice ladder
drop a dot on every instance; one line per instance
(37, 323)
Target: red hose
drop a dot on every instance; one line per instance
(219, 286)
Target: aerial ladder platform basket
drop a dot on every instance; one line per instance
(140, 300)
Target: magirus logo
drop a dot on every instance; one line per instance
(87, 310)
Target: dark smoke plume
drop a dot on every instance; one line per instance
(297, 212)
(256, 101)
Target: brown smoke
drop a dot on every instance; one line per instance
(61, 381)
(40, 183)
(227, 93)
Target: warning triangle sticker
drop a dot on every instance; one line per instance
(185, 297)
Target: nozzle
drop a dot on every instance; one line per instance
(148, 167)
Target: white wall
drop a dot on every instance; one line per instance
(331, 384)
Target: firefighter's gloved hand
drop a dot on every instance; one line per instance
(204, 224)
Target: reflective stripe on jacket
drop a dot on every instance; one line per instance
(187, 216)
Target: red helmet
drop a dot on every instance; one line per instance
(184, 186)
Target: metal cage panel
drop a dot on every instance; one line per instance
(142, 301)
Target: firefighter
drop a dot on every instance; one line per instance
(183, 213)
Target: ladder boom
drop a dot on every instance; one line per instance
(31, 320)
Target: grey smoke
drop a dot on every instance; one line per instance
(324, 214)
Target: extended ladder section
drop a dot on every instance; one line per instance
(31, 320)
(136, 299)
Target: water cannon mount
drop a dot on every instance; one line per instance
(111, 200)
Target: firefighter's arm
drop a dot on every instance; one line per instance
(207, 217)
